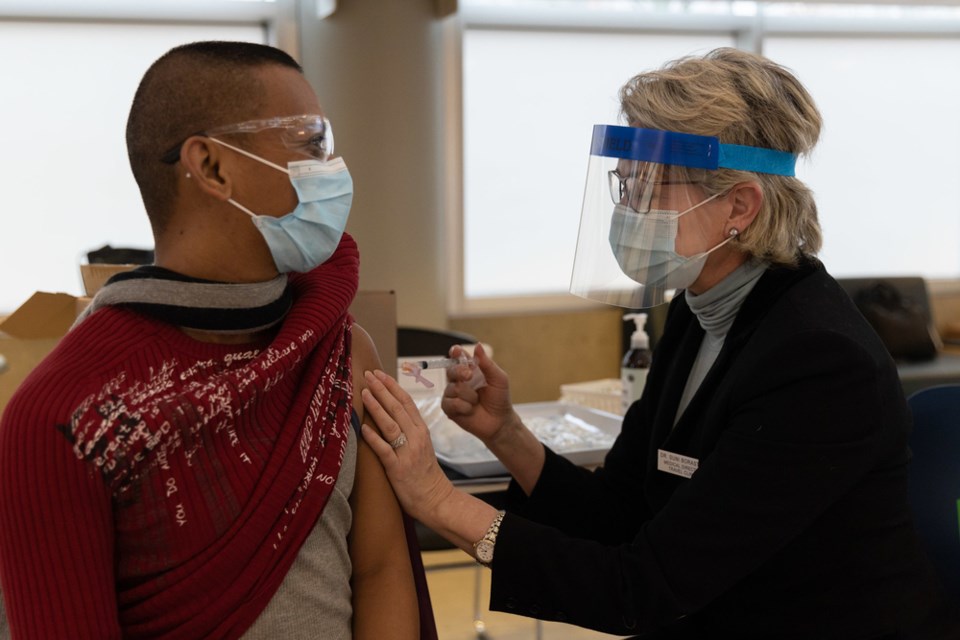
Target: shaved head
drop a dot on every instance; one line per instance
(190, 89)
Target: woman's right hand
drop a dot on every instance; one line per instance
(486, 412)
(483, 411)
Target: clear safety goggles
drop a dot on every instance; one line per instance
(645, 209)
(308, 135)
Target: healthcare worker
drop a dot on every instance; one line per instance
(758, 487)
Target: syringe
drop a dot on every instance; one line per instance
(440, 363)
(415, 368)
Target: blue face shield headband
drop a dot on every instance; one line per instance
(687, 150)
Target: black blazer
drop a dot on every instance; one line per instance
(795, 523)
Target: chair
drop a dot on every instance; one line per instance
(934, 484)
(416, 341)
(943, 368)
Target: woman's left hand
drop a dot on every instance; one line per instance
(404, 447)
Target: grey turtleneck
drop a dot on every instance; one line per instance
(716, 309)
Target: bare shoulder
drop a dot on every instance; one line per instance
(365, 356)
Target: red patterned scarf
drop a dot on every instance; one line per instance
(221, 459)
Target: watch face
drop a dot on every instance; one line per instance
(485, 551)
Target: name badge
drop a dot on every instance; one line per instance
(676, 464)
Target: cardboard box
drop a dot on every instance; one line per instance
(33, 330)
(94, 276)
(376, 312)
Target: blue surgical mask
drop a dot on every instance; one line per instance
(644, 246)
(306, 237)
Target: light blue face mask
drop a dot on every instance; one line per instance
(306, 237)
(644, 246)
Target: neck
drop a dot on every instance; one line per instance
(223, 248)
(720, 264)
(212, 337)
(717, 308)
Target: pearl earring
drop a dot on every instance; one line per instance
(734, 233)
(187, 174)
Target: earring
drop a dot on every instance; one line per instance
(734, 233)
(187, 174)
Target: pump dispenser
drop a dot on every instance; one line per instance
(636, 362)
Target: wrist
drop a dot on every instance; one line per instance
(520, 452)
(462, 519)
(433, 501)
(483, 548)
(510, 433)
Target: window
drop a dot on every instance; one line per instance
(884, 172)
(67, 183)
(538, 75)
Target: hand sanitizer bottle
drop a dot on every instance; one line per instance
(636, 362)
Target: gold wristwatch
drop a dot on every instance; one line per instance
(483, 549)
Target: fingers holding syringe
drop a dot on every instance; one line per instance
(464, 369)
(481, 411)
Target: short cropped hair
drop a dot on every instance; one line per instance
(191, 88)
(746, 99)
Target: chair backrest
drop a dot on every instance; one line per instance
(934, 485)
(416, 341)
(898, 308)
(912, 288)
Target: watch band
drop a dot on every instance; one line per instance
(483, 548)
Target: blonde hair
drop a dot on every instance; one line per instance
(740, 98)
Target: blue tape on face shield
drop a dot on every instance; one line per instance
(687, 150)
(644, 229)
(306, 237)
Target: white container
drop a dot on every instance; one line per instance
(579, 434)
(604, 394)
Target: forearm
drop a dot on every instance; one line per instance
(460, 518)
(520, 452)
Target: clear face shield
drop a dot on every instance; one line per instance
(644, 229)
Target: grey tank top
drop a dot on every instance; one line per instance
(314, 600)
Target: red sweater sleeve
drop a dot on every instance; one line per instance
(56, 533)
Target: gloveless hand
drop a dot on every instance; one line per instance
(486, 411)
(403, 446)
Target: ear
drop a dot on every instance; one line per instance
(207, 167)
(745, 198)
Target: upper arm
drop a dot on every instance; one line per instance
(364, 356)
(56, 536)
(384, 595)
